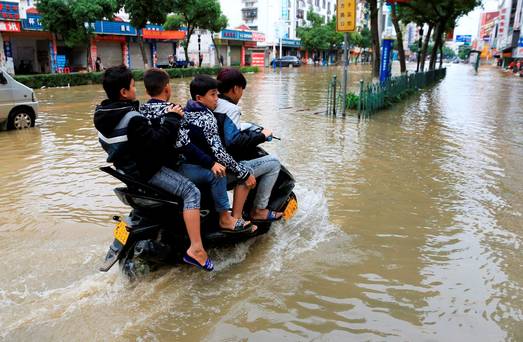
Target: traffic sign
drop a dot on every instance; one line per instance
(346, 15)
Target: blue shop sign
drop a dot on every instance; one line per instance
(236, 35)
(291, 42)
(33, 22)
(520, 42)
(114, 27)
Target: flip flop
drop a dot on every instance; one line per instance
(271, 217)
(239, 227)
(209, 266)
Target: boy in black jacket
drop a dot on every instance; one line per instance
(147, 153)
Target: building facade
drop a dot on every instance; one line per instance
(27, 48)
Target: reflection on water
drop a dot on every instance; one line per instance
(409, 225)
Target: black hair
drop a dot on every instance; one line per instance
(115, 79)
(201, 84)
(155, 81)
(230, 77)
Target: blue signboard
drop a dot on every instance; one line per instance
(464, 38)
(386, 54)
(520, 42)
(114, 27)
(236, 35)
(291, 42)
(33, 22)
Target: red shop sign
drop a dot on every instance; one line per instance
(10, 26)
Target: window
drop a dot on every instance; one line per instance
(323, 4)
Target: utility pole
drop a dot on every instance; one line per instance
(345, 22)
(345, 69)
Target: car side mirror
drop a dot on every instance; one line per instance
(3, 80)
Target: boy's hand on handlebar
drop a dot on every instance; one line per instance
(266, 132)
(251, 182)
(219, 170)
(176, 108)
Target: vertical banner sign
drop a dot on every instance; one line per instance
(346, 15)
(386, 54)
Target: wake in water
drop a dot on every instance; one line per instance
(128, 308)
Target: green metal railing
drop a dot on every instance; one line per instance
(334, 97)
(376, 96)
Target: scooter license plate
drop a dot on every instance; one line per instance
(291, 209)
(120, 232)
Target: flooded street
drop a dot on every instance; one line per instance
(410, 224)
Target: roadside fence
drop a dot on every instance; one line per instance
(376, 96)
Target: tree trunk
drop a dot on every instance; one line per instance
(375, 38)
(438, 33)
(425, 47)
(441, 55)
(216, 49)
(399, 38)
(142, 49)
(89, 57)
(186, 46)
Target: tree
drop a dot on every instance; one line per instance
(193, 14)
(217, 26)
(375, 37)
(399, 37)
(72, 19)
(464, 52)
(318, 36)
(143, 12)
(448, 52)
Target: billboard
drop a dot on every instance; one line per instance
(464, 38)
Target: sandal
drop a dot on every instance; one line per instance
(271, 217)
(208, 266)
(239, 227)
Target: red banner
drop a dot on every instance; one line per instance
(10, 26)
(163, 35)
(258, 59)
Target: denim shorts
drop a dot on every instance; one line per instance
(176, 184)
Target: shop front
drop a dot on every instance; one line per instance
(291, 47)
(163, 43)
(240, 47)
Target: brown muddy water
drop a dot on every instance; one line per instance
(409, 227)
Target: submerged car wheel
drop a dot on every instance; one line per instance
(20, 119)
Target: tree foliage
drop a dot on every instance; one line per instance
(195, 14)
(72, 19)
(440, 16)
(143, 12)
(318, 35)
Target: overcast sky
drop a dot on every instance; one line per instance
(470, 23)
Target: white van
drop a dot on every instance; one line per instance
(18, 104)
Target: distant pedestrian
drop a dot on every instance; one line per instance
(200, 60)
(221, 60)
(98, 64)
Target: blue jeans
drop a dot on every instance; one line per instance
(202, 176)
(266, 170)
(178, 185)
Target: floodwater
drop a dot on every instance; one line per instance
(409, 227)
